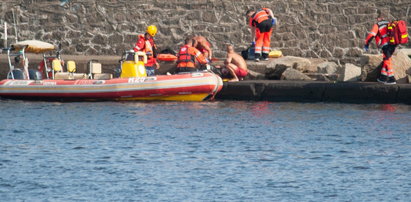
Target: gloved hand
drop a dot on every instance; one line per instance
(366, 48)
(273, 21)
(253, 44)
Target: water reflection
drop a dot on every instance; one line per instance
(388, 107)
(261, 109)
(218, 151)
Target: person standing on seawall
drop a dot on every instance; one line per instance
(261, 23)
(379, 31)
(145, 43)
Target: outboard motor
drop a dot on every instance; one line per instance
(133, 66)
(35, 74)
(16, 74)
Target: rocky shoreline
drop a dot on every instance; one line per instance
(290, 78)
(289, 68)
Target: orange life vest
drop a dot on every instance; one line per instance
(146, 46)
(185, 58)
(380, 32)
(260, 15)
(148, 49)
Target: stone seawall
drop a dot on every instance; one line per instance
(331, 29)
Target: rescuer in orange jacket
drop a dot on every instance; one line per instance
(145, 43)
(261, 23)
(188, 56)
(379, 31)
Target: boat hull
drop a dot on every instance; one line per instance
(182, 87)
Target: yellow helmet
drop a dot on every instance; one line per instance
(152, 30)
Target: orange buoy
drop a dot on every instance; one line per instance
(166, 57)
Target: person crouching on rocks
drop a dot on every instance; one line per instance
(380, 32)
(235, 65)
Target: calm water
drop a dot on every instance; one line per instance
(211, 151)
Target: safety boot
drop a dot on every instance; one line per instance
(382, 79)
(391, 80)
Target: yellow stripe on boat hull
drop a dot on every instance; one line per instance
(189, 97)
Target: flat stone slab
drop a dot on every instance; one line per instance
(316, 91)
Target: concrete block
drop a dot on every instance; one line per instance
(243, 90)
(293, 91)
(361, 92)
(404, 93)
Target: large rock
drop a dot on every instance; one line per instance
(276, 67)
(372, 64)
(259, 67)
(327, 68)
(401, 64)
(350, 73)
(294, 75)
(322, 77)
(253, 75)
(313, 68)
(407, 51)
(371, 67)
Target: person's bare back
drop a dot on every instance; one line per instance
(203, 45)
(235, 58)
(236, 64)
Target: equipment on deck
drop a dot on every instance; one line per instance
(133, 66)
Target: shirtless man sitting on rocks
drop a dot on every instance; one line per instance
(235, 66)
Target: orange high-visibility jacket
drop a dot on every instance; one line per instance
(146, 46)
(259, 16)
(380, 32)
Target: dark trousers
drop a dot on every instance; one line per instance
(387, 52)
(186, 69)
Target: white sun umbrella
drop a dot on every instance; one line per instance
(33, 46)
